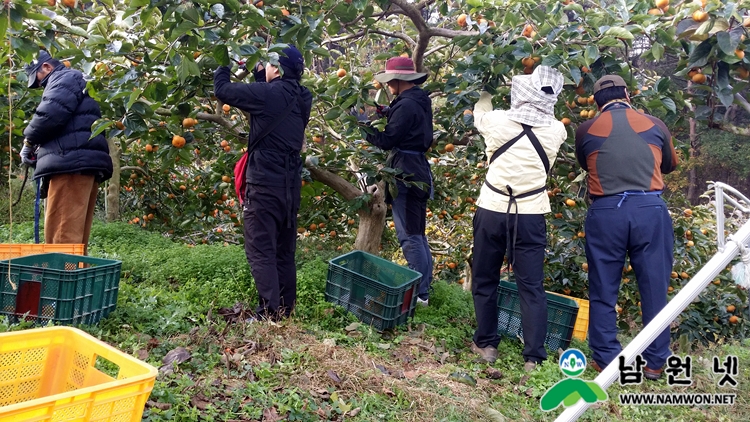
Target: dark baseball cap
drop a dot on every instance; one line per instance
(33, 67)
(609, 81)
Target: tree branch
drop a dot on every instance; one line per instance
(450, 33)
(743, 102)
(336, 182)
(209, 117)
(221, 121)
(407, 39)
(134, 168)
(735, 129)
(343, 37)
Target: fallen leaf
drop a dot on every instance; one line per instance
(355, 412)
(270, 415)
(141, 354)
(333, 376)
(388, 392)
(152, 342)
(383, 369)
(463, 378)
(399, 374)
(199, 402)
(329, 342)
(493, 373)
(157, 405)
(523, 380)
(384, 346)
(344, 406)
(494, 415)
(411, 374)
(174, 356)
(529, 392)
(353, 326)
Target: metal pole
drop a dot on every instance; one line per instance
(667, 315)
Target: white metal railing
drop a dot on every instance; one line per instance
(729, 248)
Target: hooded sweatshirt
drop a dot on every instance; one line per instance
(409, 129)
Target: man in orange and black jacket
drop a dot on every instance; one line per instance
(625, 153)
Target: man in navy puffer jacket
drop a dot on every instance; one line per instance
(57, 142)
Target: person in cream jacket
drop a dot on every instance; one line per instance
(521, 145)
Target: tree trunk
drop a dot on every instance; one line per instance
(112, 196)
(371, 219)
(693, 191)
(372, 223)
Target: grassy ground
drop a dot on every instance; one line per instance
(321, 364)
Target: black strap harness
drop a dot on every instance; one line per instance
(527, 132)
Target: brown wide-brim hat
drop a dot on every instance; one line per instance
(401, 68)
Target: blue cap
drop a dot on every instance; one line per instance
(292, 61)
(31, 70)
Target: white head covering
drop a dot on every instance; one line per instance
(533, 97)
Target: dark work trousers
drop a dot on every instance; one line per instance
(270, 215)
(640, 227)
(409, 213)
(490, 243)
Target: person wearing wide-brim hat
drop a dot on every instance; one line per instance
(408, 136)
(521, 144)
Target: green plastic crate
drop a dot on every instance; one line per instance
(561, 316)
(65, 289)
(379, 292)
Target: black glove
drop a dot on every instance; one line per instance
(382, 110)
(361, 116)
(489, 83)
(259, 72)
(28, 154)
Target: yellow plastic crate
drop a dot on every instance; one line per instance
(581, 329)
(16, 250)
(61, 374)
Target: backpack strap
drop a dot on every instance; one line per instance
(281, 117)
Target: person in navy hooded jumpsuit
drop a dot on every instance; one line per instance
(408, 136)
(273, 175)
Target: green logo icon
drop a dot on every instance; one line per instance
(569, 390)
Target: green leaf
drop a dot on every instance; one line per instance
(3, 27)
(592, 53)
(619, 32)
(658, 51)
(722, 77)
(134, 97)
(191, 14)
(700, 55)
(139, 3)
(332, 114)
(320, 51)
(726, 96)
(100, 126)
(669, 104)
(221, 55)
(609, 42)
(724, 41)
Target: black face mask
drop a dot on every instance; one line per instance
(259, 74)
